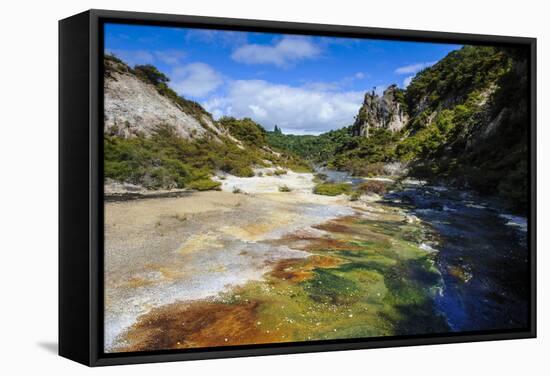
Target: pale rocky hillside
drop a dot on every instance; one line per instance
(134, 106)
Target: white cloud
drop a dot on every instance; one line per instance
(202, 35)
(139, 57)
(338, 85)
(224, 38)
(297, 110)
(413, 68)
(170, 57)
(322, 86)
(258, 111)
(284, 52)
(407, 81)
(195, 79)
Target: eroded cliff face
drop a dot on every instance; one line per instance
(133, 106)
(386, 111)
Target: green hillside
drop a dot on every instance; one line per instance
(467, 127)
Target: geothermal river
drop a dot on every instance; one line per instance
(251, 264)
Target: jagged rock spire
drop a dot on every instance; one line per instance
(386, 112)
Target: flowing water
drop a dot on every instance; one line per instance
(266, 266)
(481, 253)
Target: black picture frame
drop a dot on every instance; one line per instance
(81, 186)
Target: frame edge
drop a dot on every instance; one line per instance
(93, 16)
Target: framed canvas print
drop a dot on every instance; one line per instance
(237, 187)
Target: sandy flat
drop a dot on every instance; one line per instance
(163, 250)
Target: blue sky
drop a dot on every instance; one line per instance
(306, 85)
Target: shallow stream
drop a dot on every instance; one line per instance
(420, 260)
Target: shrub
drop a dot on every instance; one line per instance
(117, 170)
(355, 196)
(204, 185)
(150, 73)
(234, 164)
(160, 177)
(297, 166)
(332, 189)
(373, 186)
(320, 177)
(280, 172)
(245, 130)
(237, 190)
(369, 170)
(242, 171)
(284, 188)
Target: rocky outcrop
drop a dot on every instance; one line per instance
(133, 106)
(386, 111)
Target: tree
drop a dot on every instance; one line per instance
(151, 74)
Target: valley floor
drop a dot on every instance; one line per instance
(262, 266)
